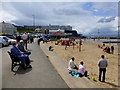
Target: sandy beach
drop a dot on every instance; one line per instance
(90, 55)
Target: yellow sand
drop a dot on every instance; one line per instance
(90, 55)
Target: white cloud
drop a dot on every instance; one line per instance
(60, 0)
(84, 21)
(110, 28)
(106, 19)
(108, 7)
(6, 17)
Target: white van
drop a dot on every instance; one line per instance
(4, 41)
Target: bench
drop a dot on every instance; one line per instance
(16, 61)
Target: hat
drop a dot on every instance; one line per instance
(13, 42)
(21, 41)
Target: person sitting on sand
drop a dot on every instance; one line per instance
(103, 45)
(71, 64)
(105, 49)
(99, 45)
(50, 48)
(81, 70)
(108, 51)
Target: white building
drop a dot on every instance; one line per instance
(38, 30)
(53, 31)
(63, 27)
(7, 28)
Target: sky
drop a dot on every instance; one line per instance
(88, 18)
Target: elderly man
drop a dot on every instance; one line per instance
(24, 57)
(22, 49)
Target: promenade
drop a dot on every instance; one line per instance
(42, 75)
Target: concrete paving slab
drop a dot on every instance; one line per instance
(42, 75)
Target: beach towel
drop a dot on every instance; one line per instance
(74, 73)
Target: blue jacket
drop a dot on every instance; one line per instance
(15, 51)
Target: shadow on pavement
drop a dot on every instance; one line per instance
(111, 84)
(20, 70)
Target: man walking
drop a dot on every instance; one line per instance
(102, 64)
(25, 39)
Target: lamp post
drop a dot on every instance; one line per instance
(98, 34)
(118, 32)
(89, 35)
(33, 21)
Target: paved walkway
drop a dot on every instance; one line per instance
(42, 75)
(0, 67)
(61, 66)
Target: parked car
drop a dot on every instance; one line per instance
(4, 41)
(37, 35)
(10, 36)
(10, 40)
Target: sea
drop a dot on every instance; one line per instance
(103, 40)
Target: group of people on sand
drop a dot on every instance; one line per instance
(73, 43)
(81, 69)
(107, 49)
